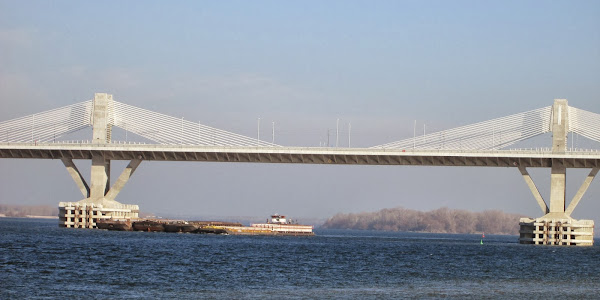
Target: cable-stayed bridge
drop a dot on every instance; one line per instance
(52, 125)
(41, 136)
(486, 143)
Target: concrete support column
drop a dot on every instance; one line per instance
(581, 191)
(101, 118)
(123, 179)
(100, 177)
(534, 190)
(558, 180)
(558, 177)
(77, 177)
(560, 125)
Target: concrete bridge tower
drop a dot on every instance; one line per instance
(99, 201)
(557, 227)
(558, 175)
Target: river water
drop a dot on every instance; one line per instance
(38, 260)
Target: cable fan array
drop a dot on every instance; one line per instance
(493, 134)
(584, 123)
(167, 130)
(47, 126)
(498, 133)
(53, 124)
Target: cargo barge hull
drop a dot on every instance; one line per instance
(277, 226)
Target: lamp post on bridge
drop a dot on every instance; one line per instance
(349, 129)
(337, 132)
(415, 135)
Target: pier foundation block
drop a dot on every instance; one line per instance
(556, 231)
(84, 214)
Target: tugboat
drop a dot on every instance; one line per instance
(278, 225)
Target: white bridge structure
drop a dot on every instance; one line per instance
(41, 136)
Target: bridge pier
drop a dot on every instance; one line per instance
(557, 227)
(99, 202)
(100, 178)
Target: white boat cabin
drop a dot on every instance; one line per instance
(278, 219)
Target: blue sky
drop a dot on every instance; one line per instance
(303, 64)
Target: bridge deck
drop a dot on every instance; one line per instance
(345, 156)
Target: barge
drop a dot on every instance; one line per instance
(149, 225)
(114, 224)
(180, 226)
(277, 225)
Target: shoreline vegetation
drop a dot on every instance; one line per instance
(441, 220)
(28, 211)
(30, 217)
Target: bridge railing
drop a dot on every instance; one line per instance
(133, 144)
(75, 142)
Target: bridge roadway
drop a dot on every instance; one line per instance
(307, 155)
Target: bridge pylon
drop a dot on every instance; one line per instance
(99, 202)
(557, 227)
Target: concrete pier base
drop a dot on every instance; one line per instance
(563, 231)
(85, 213)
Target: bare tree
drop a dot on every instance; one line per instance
(442, 220)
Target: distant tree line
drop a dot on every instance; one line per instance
(442, 220)
(28, 210)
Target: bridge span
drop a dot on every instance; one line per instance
(483, 144)
(542, 158)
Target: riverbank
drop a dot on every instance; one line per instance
(30, 217)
